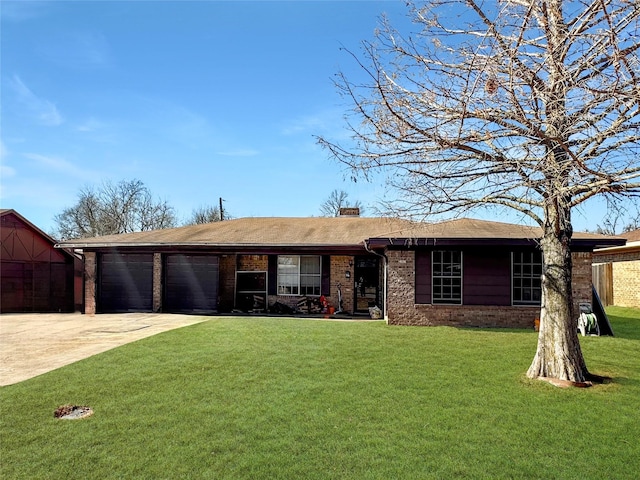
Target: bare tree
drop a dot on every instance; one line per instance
(123, 207)
(525, 104)
(205, 214)
(620, 218)
(338, 199)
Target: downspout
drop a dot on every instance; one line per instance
(384, 278)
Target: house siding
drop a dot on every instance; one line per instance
(407, 284)
(486, 277)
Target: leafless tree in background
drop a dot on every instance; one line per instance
(526, 104)
(206, 214)
(123, 207)
(338, 199)
(620, 218)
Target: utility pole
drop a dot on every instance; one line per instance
(221, 214)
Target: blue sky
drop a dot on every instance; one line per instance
(198, 99)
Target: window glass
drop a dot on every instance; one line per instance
(310, 275)
(526, 278)
(447, 277)
(299, 275)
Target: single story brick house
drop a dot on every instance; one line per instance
(619, 271)
(35, 277)
(458, 272)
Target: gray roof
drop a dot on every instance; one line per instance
(321, 231)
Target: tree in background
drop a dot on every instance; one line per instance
(620, 218)
(524, 104)
(206, 214)
(123, 207)
(338, 199)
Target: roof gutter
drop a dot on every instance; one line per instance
(234, 246)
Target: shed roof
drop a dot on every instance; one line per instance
(325, 232)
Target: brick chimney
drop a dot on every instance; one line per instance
(349, 212)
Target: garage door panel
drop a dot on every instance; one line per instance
(126, 283)
(191, 283)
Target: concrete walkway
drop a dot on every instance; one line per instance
(33, 344)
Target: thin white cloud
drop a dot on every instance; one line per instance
(44, 111)
(79, 49)
(54, 163)
(6, 171)
(60, 165)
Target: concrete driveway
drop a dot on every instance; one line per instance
(33, 344)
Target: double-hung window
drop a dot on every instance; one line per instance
(526, 278)
(446, 279)
(299, 275)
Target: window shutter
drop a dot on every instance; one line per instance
(325, 287)
(272, 275)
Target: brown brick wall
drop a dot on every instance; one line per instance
(157, 282)
(401, 306)
(402, 309)
(582, 279)
(90, 278)
(340, 265)
(253, 263)
(619, 257)
(227, 278)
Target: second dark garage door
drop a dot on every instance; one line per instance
(190, 283)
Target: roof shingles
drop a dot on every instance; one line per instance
(320, 231)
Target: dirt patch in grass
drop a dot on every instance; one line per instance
(72, 412)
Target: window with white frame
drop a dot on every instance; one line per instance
(526, 280)
(299, 275)
(446, 277)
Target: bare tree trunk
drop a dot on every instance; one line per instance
(558, 355)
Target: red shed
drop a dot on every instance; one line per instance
(35, 277)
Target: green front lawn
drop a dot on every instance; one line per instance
(265, 398)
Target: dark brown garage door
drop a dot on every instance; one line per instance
(190, 284)
(125, 283)
(35, 287)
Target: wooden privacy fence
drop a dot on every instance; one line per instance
(603, 282)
